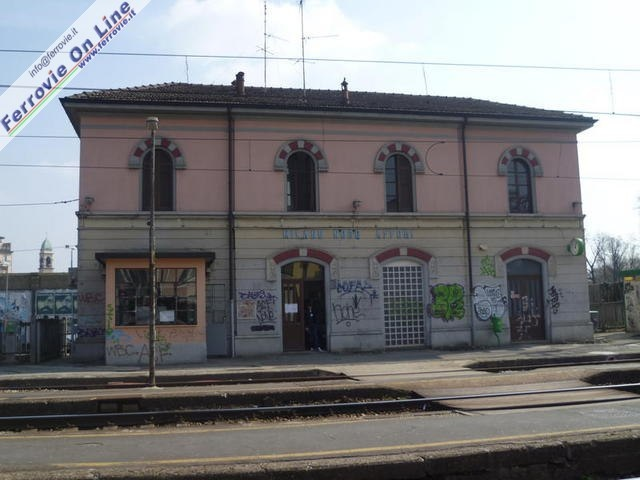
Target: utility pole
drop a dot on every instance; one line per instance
(152, 126)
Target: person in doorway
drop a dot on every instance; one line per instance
(312, 323)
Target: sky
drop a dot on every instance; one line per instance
(569, 55)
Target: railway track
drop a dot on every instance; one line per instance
(302, 376)
(345, 394)
(122, 418)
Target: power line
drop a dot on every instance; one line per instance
(38, 204)
(354, 60)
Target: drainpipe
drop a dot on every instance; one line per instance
(467, 223)
(232, 228)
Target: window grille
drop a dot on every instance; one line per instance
(403, 305)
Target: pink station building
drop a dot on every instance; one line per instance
(289, 220)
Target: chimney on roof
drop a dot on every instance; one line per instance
(345, 92)
(238, 83)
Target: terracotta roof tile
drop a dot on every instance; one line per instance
(184, 94)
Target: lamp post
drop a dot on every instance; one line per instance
(5, 266)
(72, 248)
(152, 126)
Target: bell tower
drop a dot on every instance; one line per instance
(46, 257)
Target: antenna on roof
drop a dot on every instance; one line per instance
(264, 48)
(304, 83)
(424, 77)
(265, 51)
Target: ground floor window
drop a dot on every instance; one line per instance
(177, 297)
(403, 291)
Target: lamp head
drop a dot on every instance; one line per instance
(152, 124)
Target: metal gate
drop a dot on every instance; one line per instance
(526, 302)
(50, 338)
(218, 329)
(403, 289)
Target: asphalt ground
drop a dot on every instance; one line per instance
(350, 363)
(426, 372)
(309, 377)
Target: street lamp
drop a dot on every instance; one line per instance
(72, 248)
(152, 126)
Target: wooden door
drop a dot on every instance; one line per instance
(526, 302)
(293, 315)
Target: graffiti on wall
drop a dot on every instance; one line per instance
(15, 310)
(447, 301)
(90, 332)
(632, 305)
(554, 295)
(489, 301)
(527, 317)
(133, 346)
(353, 300)
(488, 266)
(91, 298)
(259, 308)
(356, 287)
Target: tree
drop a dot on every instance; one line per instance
(608, 256)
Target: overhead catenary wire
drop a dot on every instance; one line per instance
(36, 204)
(353, 60)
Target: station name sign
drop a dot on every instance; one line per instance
(346, 234)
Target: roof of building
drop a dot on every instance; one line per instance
(46, 245)
(194, 95)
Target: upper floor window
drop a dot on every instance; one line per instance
(399, 162)
(520, 165)
(302, 161)
(301, 183)
(519, 185)
(163, 181)
(169, 158)
(398, 179)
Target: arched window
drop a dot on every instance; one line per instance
(519, 185)
(398, 179)
(301, 183)
(163, 182)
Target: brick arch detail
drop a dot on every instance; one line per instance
(310, 148)
(305, 253)
(522, 153)
(398, 148)
(141, 149)
(525, 251)
(403, 252)
(400, 252)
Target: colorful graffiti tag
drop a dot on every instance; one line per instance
(258, 306)
(489, 301)
(488, 266)
(447, 301)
